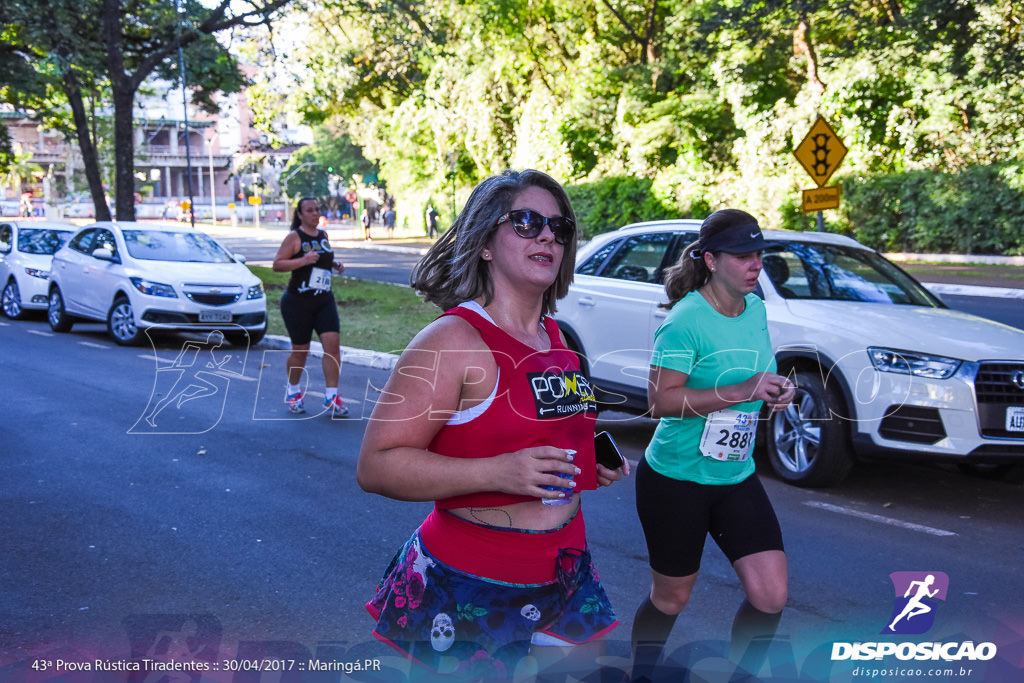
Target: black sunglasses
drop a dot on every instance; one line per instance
(528, 224)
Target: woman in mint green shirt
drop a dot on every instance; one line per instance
(711, 371)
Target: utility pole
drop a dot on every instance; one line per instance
(188, 150)
(453, 158)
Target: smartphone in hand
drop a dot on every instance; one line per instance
(607, 451)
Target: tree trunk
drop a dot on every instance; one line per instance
(87, 146)
(802, 45)
(650, 50)
(124, 154)
(123, 93)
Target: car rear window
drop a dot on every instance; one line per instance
(636, 258)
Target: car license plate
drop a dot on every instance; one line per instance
(214, 316)
(1015, 419)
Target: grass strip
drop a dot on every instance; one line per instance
(374, 315)
(976, 271)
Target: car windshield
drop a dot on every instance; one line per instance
(42, 241)
(158, 245)
(807, 270)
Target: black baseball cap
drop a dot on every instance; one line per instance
(738, 239)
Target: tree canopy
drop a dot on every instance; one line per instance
(65, 58)
(706, 101)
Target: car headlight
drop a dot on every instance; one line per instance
(153, 288)
(255, 292)
(35, 272)
(910, 363)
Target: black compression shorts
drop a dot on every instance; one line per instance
(303, 315)
(678, 515)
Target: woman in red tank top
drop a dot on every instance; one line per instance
(488, 415)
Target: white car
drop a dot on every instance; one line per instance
(882, 366)
(26, 249)
(138, 277)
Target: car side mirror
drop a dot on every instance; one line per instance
(5, 247)
(104, 254)
(238, 257)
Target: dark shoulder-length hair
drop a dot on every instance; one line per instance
(452, 271)
(690, 272)
(296, 218)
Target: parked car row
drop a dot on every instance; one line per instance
(135, 277)
(882, 366)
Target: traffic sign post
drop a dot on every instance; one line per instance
(256, 203)
(820, 153)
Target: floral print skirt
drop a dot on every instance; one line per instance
(454, 622)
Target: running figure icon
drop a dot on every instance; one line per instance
(915, 606)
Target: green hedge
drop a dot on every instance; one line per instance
(615, 202)
(979, 210)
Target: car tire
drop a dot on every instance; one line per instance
(808, 443)
(56, 315)
(121, 323)
(10, 301)
(245, 338)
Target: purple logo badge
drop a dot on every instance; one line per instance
(917, 593)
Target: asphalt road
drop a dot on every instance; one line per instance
(1001, 309)
(237, 531)
(366, 261)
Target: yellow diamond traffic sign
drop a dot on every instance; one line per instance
(820, 152)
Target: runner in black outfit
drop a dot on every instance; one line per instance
(308, 305)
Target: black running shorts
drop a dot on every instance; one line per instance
(678, 515)
(305, 314)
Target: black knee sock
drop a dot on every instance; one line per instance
(651, 628)
(752, 633)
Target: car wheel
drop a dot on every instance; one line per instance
(58, 318)
(121, 323)
(809, 442)
(245, 338)
(11, 300)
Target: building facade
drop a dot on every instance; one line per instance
(217, 160)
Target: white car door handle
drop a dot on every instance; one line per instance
(587, 301)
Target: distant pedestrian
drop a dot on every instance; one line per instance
(389, 221)
(366, 225)
(431, 220)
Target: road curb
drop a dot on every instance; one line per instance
(362, 357)
(974, 290)
(415, 251)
